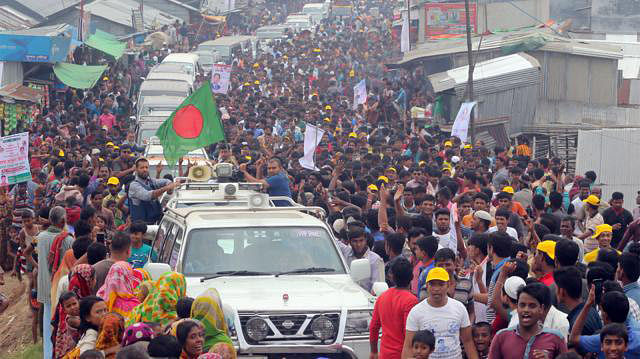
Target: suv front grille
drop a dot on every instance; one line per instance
(289, 326)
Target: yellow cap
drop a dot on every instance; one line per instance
(353, 135)
(446, 168)
(422, 163)
(327, 107)
(247, 84)
(592, 200)
(106, 78)
(61, 153)
(392, 169)
(352, 73)
(110, 144)
(256, 82)
(384, 178)
(601, 229)
(548, 247)
(437, 273)
(116, 147)
(448, 143)
(113, 180)
(508, 189)
(327, 119)
(256, 65)
(248, 158)
(100, 159)
(467, 147)
(317, 50)
(372, 187)
(285, 56)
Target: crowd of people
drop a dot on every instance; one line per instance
(488, 253)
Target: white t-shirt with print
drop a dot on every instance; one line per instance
(445, 322)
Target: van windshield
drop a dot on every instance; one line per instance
(263, 249)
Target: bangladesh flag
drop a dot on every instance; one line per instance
(194, 124)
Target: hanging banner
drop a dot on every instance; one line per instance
(460, 127)
(404, 35)
(220, 78)
(359, 94)
(312, 137)
(449, 19)
(14, 159)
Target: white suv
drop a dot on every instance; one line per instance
(285, 286)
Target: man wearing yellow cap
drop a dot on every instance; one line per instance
(446, 318)
(603, 235)
(544, 261)
(591, 221)
(113, 185)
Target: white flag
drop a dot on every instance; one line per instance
(404, 35)
(359, 94)
(312, 137)
(461, 124)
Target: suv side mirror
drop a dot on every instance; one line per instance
(379, 287)
(360, 269)
(157, 269)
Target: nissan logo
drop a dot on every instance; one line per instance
(288, 324)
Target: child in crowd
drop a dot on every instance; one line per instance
(481, 333)
(423, 344)
(614, 340)
(92, 354)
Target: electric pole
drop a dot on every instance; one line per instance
(469, 92)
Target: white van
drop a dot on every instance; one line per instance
(317, 11)
(189, 60)
(228, 46)
(300, 22)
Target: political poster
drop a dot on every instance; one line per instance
(460, 127)
(449, 19)
(359, 94)
(14, 159)
(220, 78)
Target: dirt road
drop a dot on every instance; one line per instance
(15, 321)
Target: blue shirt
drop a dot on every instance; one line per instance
(422, 279)
(632, 290)
(139, 256)
(279, 186)
(591, 344)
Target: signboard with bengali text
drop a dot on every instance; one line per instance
(449, 19)
(14, 159)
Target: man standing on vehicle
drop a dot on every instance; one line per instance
(144, 192)
(277, 182)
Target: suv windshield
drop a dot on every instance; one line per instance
(264, 249)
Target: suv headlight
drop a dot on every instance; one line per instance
(358, 322)
(257, 329)
(323, 328)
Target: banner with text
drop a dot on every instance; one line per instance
(14, 159)
(359, 94)
(449, 19)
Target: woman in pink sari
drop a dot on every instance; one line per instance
(118, 289)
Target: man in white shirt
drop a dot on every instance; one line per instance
(358, 249)
(502, 218)
(446, 318)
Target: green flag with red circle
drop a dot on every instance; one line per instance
(194, 124)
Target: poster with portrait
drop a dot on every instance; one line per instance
(220, 77)
(14, 159)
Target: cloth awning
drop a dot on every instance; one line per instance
(106, 43)
(78, 76)
(19, 92)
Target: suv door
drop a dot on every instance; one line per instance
(161, 235)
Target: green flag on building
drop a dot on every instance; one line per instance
(194, 124)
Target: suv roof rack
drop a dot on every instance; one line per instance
(184, 212)
(192, 185)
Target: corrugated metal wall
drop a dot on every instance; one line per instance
(169, 8)
(571, 113)
(613, 154)
(569, 77)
